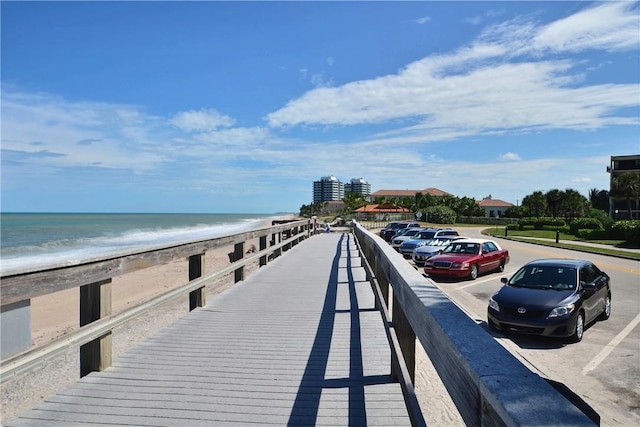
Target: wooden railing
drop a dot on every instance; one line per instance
(93, 279)
(488, 385)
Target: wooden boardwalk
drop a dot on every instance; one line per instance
(298, 343)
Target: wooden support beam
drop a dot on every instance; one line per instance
(238, 254)
(406, 338)
(263, 246)
(197, 298)
(95, 303)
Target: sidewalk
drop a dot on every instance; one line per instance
(574, 243)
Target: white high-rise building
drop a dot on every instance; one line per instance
(328, 189)
(358, 186)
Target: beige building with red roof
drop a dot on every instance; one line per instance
(494, 208)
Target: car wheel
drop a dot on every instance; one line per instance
(473, 273)
(579, 329)
(607, 308)
(501, 266)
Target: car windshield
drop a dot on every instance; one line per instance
(545, 277)
(440, 242)
(462, 248)
(410, 232)
(425, 234)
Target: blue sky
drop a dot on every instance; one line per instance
(240, 106)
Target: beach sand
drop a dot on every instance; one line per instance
(55, 315)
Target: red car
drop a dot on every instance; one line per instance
(467, 258)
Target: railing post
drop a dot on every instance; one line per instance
(263, 246)
(275, 239)
(382, 279)
(197, 298)
(238, 254)
(15, 328)
(95, 303)
(406, 339)
(286, 235)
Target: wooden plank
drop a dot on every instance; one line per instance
(287, 346)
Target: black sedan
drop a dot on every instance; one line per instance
(551, 297)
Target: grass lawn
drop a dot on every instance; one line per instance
(545, 234)
(498, 231)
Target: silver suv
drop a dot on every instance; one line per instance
(407, 247)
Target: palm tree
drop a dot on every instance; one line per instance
(535, 202)
(599, 199)
(555, 199)
(354, 201)
(627, 186)
(575, 204)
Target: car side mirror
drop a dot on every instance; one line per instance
(504, 280)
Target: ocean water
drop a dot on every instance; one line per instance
(29, 240)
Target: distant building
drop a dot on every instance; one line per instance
(385, 212)
(328, 189)
(399, 194)
(358, 186)
(618, 207)
(493, 208)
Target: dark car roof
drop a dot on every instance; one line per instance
(560, 262)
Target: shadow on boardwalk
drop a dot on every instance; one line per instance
(297, 343)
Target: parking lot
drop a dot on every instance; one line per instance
(604, 368)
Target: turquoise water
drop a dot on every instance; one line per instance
(43, 238)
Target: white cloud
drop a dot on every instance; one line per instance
(481, 88)
(479, 19)
(581, 180)
(423, 20)
(33, 124)
(608, 26)
(201, 120)
(509, 157)
(318, 80)
(474, 20)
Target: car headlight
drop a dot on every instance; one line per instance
(494, 305)
(563, 310)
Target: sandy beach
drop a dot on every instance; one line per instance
(55, 315)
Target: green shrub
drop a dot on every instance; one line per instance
(441, 215)
(591, 234)
(603, 217)
(585, 223)
(563, 228)
(627, 229)
(541, 222)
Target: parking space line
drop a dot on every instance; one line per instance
(610, 346)
(479, 282)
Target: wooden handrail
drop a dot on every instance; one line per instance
(27, 283)
(488, 385)
(16, 288)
